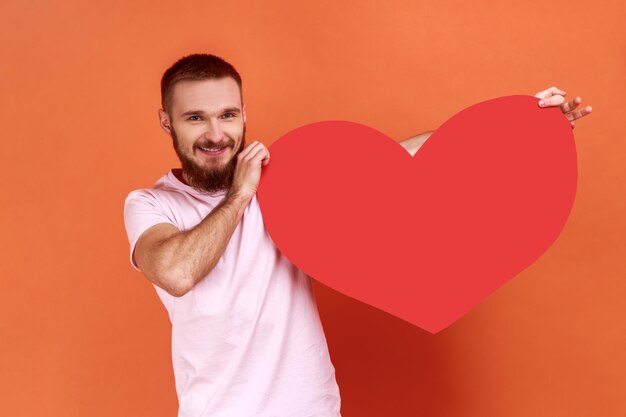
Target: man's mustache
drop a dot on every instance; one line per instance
(222, 144)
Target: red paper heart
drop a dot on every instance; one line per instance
(424, 238)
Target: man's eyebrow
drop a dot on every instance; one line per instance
(192, 112)
(200, 112)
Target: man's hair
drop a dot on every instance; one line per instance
(195, 67)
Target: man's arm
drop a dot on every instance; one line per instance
(414, 143)
(548, 98)
(176, 261)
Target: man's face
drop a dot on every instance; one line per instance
(208, 129)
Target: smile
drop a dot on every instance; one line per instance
(212, 151)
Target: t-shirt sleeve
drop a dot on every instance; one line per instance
(141, 212)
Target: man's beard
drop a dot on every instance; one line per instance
(204, 178)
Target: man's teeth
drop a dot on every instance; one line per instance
(210, 149)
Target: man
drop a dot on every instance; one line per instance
(246, 334)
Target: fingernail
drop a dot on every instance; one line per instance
(541, 103)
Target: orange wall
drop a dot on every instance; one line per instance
(82, 334)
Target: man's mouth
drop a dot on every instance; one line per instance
(213, 151)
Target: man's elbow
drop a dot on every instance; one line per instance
(178, 280)
(173, 276)
(175, 282)
(178, 288)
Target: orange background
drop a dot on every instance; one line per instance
(82, 334)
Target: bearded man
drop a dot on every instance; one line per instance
(246, 335)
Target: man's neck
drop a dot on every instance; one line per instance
(180, 174)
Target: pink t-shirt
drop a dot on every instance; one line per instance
(247, 339)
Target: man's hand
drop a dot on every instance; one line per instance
(555, 97)
(248, 171)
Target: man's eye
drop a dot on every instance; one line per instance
(226, 114)
(194, 118)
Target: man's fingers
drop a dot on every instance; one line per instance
(264, 156)
(570, 105)
(578, 114)
(252, 154)
(551, 101)
(550, 92)
(248, 149)
(259, 153)
(553, 96)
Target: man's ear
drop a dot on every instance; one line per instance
(244, 113)
(165, 122)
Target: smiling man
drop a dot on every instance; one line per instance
(246, 335)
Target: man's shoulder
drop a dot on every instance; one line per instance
(154, 204)
(162, 187)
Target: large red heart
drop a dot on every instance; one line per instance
(424, 238)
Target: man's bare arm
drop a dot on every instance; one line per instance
(414, 143)
(176, 261)
(550, 97)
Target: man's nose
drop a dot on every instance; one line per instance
(214, 131)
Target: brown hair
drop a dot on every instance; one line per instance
(195, 67)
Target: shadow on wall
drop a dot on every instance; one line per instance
(393, 367)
